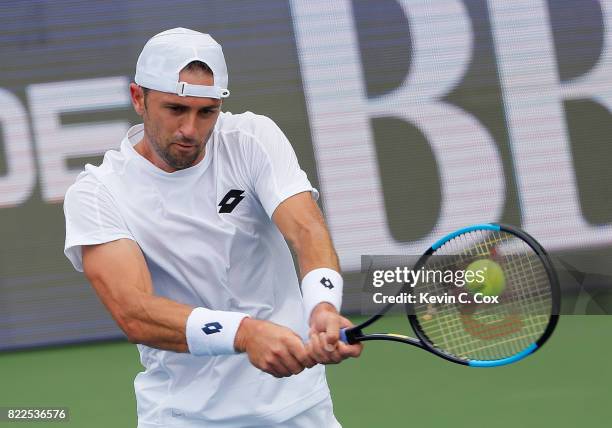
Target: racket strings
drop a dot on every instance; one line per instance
(487, 331)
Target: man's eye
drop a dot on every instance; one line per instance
(176, 108)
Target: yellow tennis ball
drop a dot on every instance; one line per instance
(487, 277)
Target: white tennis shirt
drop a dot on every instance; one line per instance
(208, 239)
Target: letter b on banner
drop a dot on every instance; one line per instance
(471, 171)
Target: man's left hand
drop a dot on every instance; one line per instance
(325, 346)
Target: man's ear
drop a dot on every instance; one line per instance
(137, 97)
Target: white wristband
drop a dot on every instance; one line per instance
(321, 285)
(212, 332)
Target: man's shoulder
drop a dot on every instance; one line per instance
(91, 180)
(247, 124)
(251, 135)
(86, 186)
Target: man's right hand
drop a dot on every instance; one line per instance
(272, 348)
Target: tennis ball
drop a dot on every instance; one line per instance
(491, 274)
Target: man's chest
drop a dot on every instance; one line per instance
(218, 204)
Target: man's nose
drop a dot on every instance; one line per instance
(188, 128)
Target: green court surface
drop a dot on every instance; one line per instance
(566, 384)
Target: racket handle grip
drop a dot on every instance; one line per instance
(350, 335)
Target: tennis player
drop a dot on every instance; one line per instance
(181, 233)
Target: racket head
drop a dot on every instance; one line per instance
(532, 287)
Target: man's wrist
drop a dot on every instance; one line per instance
(322, 307)
(210, 333)
(242, 334)
(319, 286)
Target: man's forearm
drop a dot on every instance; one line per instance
(126, 290)
(314, 249)
(156, 322)
(319, 266)
(165, 324)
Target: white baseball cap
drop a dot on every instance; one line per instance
(167, 53)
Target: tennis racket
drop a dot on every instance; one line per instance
(473, 334)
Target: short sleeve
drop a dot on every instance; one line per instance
(277, 172)
(91, 218)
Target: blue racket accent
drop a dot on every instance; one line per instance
(484, 226)
(504, 361)
(343, 335)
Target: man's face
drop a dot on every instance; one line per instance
(178, 128)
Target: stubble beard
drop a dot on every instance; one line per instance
(177, 160)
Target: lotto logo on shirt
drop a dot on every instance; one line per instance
(230, 200)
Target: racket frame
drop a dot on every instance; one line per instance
(355, 334)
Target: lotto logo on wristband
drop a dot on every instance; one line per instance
(212, 328)
(327, 283)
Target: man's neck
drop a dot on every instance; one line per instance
(143, 148)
